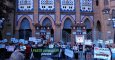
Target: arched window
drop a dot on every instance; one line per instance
(87, 24)
(88, 29)
(46, 22)
(25, 30)
(66, 32)
(67, 24)
(98, 27)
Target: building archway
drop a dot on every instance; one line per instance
(98, 29)
(88, 29)
(25, 31)
(47, 22)
(66, 31)
(50, 18)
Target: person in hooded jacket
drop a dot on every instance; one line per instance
(17, 55)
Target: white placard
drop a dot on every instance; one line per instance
(5, 40)
(2, 45)
(75, 48)
(38, 40)
(100, 41)
(22, 41)
(15, 41)
(51, 39)
(12, 39)
(110, 41)
(51, 45)
(73, 32)
(10, 48)
(48, 33)
(88, 42)
(69, 53)
(22, 48)
(102, 53)
(113, 50)
(47, 36)
(26, 42)
(32, 38)
(63, 46)
(106, 42)
(79, 38)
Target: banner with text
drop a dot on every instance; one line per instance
(102, 53)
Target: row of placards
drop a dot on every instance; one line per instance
(81, 39)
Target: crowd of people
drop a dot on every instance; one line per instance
(20, 51)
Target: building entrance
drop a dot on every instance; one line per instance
(66, 32)
(25, 30)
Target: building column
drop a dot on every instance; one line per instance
(57, 34)
(78, 17)
(17, 33)
(35, 16)
(33, 32)
(57, 29)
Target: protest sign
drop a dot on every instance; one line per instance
(5, 40)
(45, 52)
(113, 50)
(32, 38)
(47, 36)
(63, 46)
(88, 42)
(26, 42)
(37, 41)
(75, 48)
(102, 53)
(22, 41)
(79, 38)
(51, 45)
(22, 48)
(69, 53)
(10, 48)
(2, 45)
(13, 39)
(51, 39)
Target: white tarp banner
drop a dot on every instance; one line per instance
(102, 53)
(69, 53)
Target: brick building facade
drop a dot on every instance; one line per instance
(32, 18)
